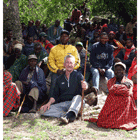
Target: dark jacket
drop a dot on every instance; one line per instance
(101, 56)
(38, 80)
(65, 89)
(127, 62)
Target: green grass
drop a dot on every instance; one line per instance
(85, 131)
(6, 138)
(43, 135)
(65, 133)
(18, 137)
(104, 134)
(127, 135)
(25, 124)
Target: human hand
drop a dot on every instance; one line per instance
(101, 71)
(45, 107)
(128, 84)
(84, 85)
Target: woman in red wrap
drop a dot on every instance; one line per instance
(11, 95)
(132, 75)
(119, 110)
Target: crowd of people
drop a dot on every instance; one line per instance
(60, 52)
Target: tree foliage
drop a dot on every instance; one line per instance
(50, 10)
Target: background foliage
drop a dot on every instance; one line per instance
(50, 10)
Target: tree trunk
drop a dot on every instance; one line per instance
(11, 19)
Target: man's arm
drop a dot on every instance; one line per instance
(110, 60)
(47, 106)
(51, 61)
(77, 58)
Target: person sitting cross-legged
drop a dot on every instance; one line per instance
(32, 83)
(67, 93)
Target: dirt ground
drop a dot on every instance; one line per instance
(30, 126)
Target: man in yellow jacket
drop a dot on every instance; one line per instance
(56, 58)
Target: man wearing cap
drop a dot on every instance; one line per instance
(119, 110)
(54, 32)
(42, 57)
(32, 83)
(105, 29)
(44, 42)
(56, 58)
(101, 59)
(16, 62)
(82, 53)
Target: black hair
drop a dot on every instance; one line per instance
(37, 44)
(103, 33)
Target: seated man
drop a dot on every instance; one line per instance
(29, 46)
(56, 58)
(101, 59)
(11, 94)
(41, 57)
(42, 39)
(67, 93)
(16, 62)
(32, 83)
(82, 54)
(7, 45)
(119, 110)
(121, 35)
(127, 54)
(54, 32)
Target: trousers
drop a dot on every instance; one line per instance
(96, 76)
(60, 109)
(34, 92)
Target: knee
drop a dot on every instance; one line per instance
(18, 82)
(109, 71)
(94, 71)
(77, 97)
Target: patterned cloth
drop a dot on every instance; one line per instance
(119, 110)
(132, 71)
(11, 95)
(18, 66)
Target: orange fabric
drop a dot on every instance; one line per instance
(119, 45)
